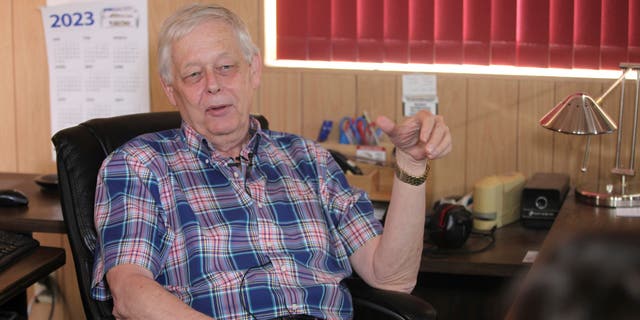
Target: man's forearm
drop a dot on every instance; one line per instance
(392, 260)
(136, 296)
(397, 257)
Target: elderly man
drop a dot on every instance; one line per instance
(223, 219)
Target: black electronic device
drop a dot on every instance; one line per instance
(449, 226)
(47, 181)
(13, 246)
(12, 198)
(344, 162)
(542, 198)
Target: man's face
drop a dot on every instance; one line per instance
(213, 84)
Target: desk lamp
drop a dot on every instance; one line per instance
(580, 114)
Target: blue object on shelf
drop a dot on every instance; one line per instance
(325, 130)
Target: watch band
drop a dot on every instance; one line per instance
(412, 180)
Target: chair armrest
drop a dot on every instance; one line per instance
(372, 303)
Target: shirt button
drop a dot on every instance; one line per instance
(235, 174)
(295, 307)
(207, 161)
(260, 205)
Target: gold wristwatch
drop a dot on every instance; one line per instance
(412, 180)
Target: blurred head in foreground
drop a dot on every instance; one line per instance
(593, 276)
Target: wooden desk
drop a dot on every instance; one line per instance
(504, 259)
(43, 214)
(576, 217)
(31, 268)
(513, 242)
(470, 286)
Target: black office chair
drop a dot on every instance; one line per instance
(80, 152)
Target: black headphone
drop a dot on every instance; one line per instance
(449, 226)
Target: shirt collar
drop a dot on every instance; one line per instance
(199, 144)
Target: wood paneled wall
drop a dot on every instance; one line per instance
(493, 119)
(7, 94)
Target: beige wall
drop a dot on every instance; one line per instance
(493, 119)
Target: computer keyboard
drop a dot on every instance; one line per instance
(13, 246)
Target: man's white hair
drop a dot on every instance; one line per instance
(186, 19)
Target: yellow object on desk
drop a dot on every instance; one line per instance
(496, 200)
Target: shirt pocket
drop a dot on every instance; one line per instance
(293, 199)
(208, 284)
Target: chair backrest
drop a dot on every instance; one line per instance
(80, 151)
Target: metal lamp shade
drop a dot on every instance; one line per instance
(578, 114)
(582, 115)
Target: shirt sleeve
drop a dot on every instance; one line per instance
(350, 208)
(129, 221)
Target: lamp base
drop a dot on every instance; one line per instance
(611, 195)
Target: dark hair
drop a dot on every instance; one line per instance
(592, 276)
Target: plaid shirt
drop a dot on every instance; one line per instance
(267, 238)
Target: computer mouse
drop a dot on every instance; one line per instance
(12, 198)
